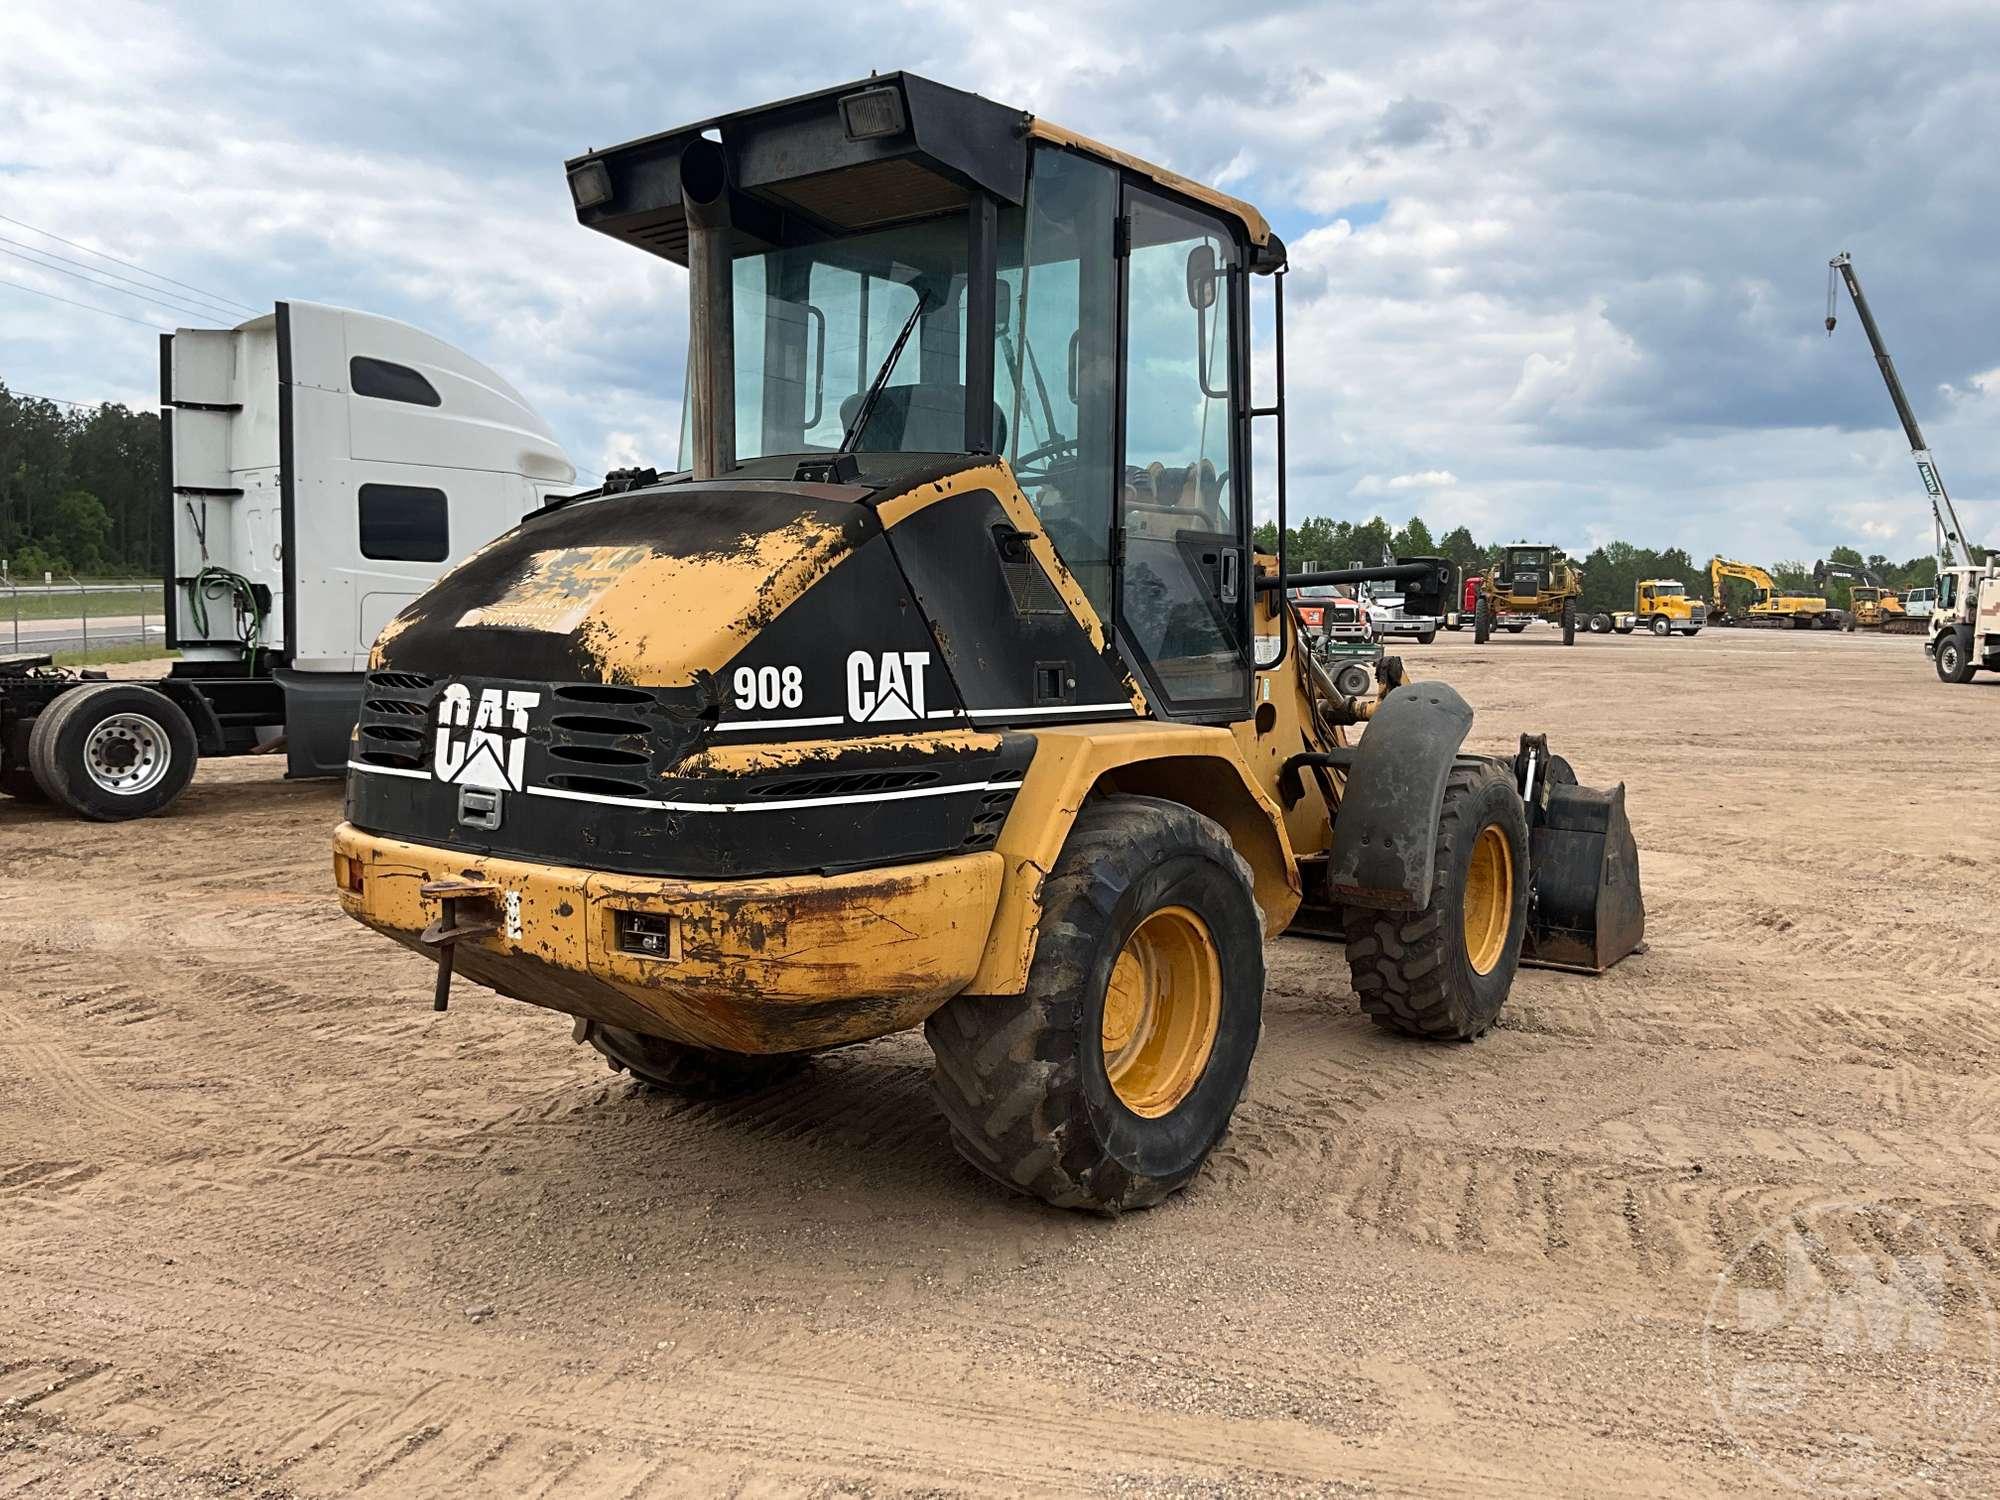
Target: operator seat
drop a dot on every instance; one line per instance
(917, 419)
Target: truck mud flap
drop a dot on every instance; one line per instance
(1585, 911)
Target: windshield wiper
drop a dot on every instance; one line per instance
(881, 380)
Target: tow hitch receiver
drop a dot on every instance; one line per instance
(453, 924)
(1585, 911)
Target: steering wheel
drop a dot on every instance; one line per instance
(1024, 465)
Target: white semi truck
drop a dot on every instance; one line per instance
(320, 468)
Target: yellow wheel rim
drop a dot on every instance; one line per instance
(1489, 898)
(1161, 1011)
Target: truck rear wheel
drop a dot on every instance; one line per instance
(1445, 971)
(113, 750)
(1600, 623)
(1107, 1082)
(1482, 621)
(690, 1072)
(1569, 622)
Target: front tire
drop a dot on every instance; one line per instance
(1425, 637)
(1444, 972)
(1954, 659)
(1482, 622)
(1107, 1082)
(112, 751)
(1662, 626)
(1569, 622)
(1515, 627)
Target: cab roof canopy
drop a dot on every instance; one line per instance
(884, 150)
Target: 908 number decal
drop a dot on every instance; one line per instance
(769, 687)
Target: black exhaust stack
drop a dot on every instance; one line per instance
(711, 308)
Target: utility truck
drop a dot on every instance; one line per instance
(320, 468)
(1962, 617)
(906, 704)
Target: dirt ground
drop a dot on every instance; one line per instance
(268, 1226)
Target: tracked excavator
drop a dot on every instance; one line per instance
(935, 694)
(1771, 607)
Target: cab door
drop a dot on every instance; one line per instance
(1183, 578)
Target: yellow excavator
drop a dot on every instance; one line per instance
(934, 692)
(1771, 608)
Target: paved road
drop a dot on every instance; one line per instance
(75, 634)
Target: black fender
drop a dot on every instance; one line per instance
(1385, 836)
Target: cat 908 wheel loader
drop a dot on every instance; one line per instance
(944, 687)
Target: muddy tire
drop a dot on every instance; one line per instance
(1569, 622)
(1444, 972)
(1954, 658)
(113, 751)
(1482, 621)
(1106, 1084)
(688, 1072)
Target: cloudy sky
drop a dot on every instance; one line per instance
(1560, 269)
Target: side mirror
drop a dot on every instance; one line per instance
(1201, 277)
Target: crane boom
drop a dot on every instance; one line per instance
(1942, 511)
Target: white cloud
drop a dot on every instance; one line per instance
(1599, 303)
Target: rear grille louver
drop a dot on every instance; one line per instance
(394, 709)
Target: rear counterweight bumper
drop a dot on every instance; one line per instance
(771, 964)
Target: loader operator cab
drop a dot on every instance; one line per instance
(923, 274)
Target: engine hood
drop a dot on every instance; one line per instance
(653, 589)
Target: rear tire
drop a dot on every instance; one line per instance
(1954, 659)
(1425, 637)
(689, 1072)
(1600, 623)
(1569, 622)
(112, 751)
(1444, 972)
(1107, 1082)
(1482, 622)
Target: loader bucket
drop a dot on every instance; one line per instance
(1585, 911)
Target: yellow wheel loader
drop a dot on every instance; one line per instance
(943, 687)
(1528, 583)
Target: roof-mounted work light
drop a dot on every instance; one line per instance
(873, 114)
(590, 185)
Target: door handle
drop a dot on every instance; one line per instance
(1230, 584)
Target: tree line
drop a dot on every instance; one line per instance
(79, 489)
(80, 493)
(1610, 571)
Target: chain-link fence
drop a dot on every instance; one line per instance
(66, 614)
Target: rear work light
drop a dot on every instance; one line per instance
(590, 185)
(872, 114)
(347, 873)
